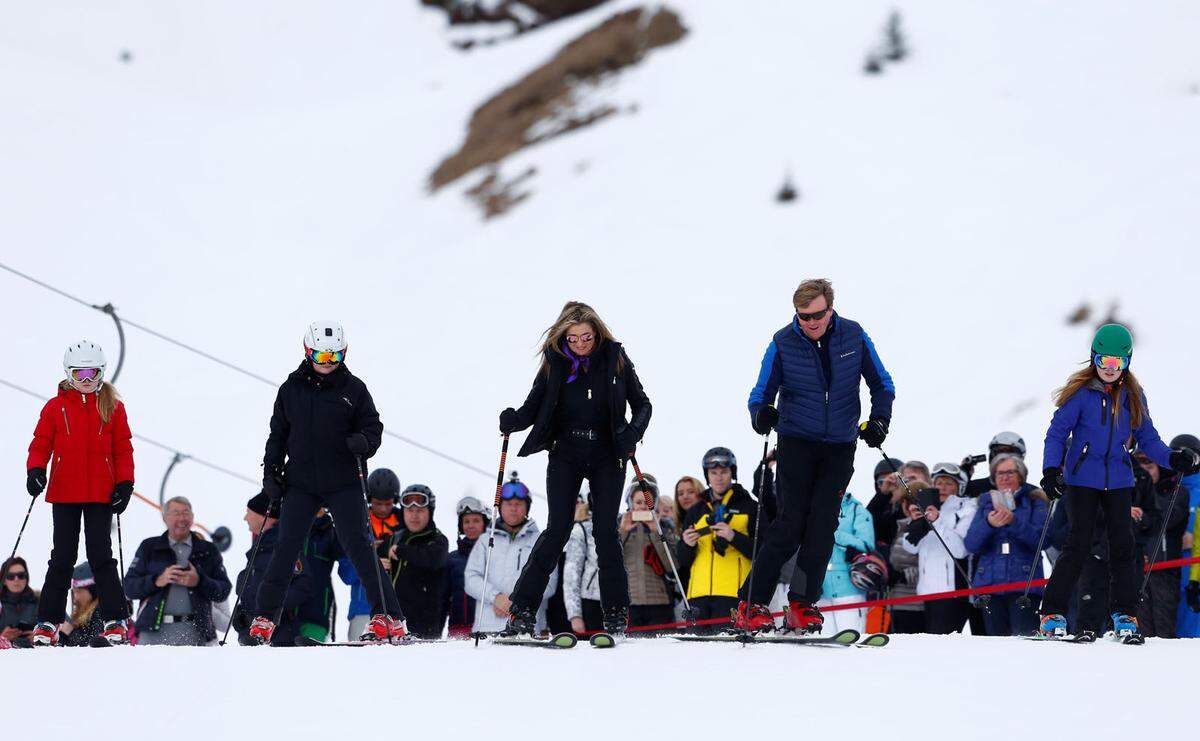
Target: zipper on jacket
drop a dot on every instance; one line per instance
(1082, 455)
(65, 421)
(1108, 448)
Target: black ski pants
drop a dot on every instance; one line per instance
(946, 616)
(1006, 617)
(1157, 615)
(711, 608)
(572, 461)
(1082, 505)
(97, 526)
(349, 511)
(811, 478)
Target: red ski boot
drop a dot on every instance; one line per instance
(45, 634)
(116, 632)
(751, 617)
(261, 631)
(803, 618)
(383, 629)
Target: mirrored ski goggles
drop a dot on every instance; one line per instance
(514, 491)
(86, 374)
(416, 497)
(946, 469)
(469, 506)
(1112, 362)
(325, 357)
(718, 461)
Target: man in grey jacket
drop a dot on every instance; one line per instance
(515, 536)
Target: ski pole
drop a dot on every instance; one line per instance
(1162, 530)
(757, 526)
(645, 488)
(249, 571)
(121, 555)
(982, 599)
(23, 524)
(374, 556)
(487, 560)
(1023, 601)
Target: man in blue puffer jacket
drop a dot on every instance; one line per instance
(813, 365)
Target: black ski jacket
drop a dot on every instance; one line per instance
(152, 558)
(419, 575)
(624, 389)
(313, 416)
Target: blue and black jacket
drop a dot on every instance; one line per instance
(814, 405)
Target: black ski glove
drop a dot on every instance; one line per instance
(874, 431)
(35, 481)
(1053, 483)
(357, 443)
(273, 487)
(627, 441)
(1185, 461)
(121, 495)
(1192, 594)
(765, 419)
(510, 421)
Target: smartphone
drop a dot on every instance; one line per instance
(927, 498)
(642, 515)
(706, 530)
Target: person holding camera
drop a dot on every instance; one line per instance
(1004, 535)
(717, 542)
(1002, 443)
(323, 428)
(815, 365)
(651, 589)
(1100, 408)
(18, 603)
(943, 508)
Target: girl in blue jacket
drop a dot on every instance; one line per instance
(1101, 411)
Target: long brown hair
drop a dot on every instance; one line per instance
(574, 312)
(1127, 381)
(81, 614)
(106, 399)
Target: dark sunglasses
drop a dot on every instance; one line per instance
(14, 575)
(815, 316)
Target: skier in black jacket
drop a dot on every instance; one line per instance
(323, 428)
(577, 410)
(417, 557)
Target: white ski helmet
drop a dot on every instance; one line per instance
(84, 354)
(1007, 440)
(325, 337)
(953, 471)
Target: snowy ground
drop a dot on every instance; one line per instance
(919, 687)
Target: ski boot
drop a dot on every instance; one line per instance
(521, 621)
(803, 618)
(616, 620)
(1124, 625)
(384, 629)
(44, 634)
(751, 617)
(116, 632)
(261, 631)
(1053, 625)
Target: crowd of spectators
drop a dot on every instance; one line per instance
(925, 531)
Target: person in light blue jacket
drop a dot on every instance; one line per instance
(855, 532)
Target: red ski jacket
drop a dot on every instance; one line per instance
(90, 456)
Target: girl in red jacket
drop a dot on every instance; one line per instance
(85, 431)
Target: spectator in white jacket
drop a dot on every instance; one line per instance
(515, 535)
(947, 511)
(581, 588)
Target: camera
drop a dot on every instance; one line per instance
(972, 460)
(642, 515)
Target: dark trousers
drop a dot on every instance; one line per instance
(908, 621)
(1082, 504)
(641, 615)
(1156, 616)
(570, 463)
(945, 616)
(811, 478)
(1089, 603)
(349, 511)
(1005, 617)
(593, 614)
(97, 525)
(709, 608)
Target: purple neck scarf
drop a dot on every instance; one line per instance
(576, 362)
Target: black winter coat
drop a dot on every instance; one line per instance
(17, 608)
(299, 591)
(419, 575)
(624, 389)
(313, 416)
(460, 607)
(153, 557)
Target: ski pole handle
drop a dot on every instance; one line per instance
(500, 474)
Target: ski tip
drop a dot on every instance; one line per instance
(876, 640)
(847, 636)
(564, 640)
(602, 640)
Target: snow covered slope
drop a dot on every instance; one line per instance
(257, 166)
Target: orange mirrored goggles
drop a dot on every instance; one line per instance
(324, 357)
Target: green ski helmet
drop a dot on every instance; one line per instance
(1113, 339)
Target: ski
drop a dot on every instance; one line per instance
(875, 640)
(1130, 639)
(842, 638)
(560, 640)
(309, 642)
(1086, 636)
(603, 640)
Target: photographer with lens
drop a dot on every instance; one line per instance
(943, 508)
(1003, 443)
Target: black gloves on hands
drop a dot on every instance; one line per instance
(357, 443)
(1192, 594)
(765, 419)
(121, 495)
(273, 487)
(509, 421)
(627, 441)
(1185, 461)
(1053, 483)
(35, 481)
(874, 431)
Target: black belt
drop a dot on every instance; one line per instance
(590, 435)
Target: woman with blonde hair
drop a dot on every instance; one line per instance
(577, 411)
(687, 494)
(85, 431)
(1101, 410)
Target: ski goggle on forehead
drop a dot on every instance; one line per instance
(1111, 362)
(514, 491)
(324, 357)
(86, 374)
